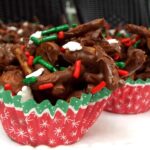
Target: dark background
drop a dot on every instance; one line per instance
(61, 11)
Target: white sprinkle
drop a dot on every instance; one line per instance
(37, 34)
(112, 31)
(123, 32)
(36, 73)
(25, 24)
(112, 41)
(20, 31)
(21, 39)
(72, 46)
(25, 93)
(12, 28)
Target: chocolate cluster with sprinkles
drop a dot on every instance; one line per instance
(65, 61)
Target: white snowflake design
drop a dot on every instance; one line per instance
(21, 122)
(63, 137)
(44, 124)
(84, 120)
(67, 142)
(146, 94)
(73, 133)
(51, 141)
(30, 130)
(28, 119)
(137, 107)
(56, 120)
(67, 119)
(57, 131)
(13, 123)
(129, 97)
(118, 106)
(21, 133)
(41, 133)
(129, 105)
(32, 139)
(138, 97)
(75, 124)
(12, 130)
(5, 115)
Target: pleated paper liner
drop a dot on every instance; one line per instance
(34, 124)
(132, 98)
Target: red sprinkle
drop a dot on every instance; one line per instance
(27, 54)
(62, 50)
(23, 47)
(123, 72)
(116, 56)
(128, 44)
(30, 60)
(98, 87)
(8, 87)
(45, 86)
(61, 35)
(77, 69)
(124, 40)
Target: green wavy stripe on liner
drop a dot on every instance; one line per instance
(62, 105)
(138, 81)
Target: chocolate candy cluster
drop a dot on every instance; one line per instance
(65, 61)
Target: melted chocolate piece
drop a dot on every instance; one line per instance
(14, 78)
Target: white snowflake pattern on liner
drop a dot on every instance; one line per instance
(37, 34)
(44, 124)
(21, 133)
(5, 115)
(36, 73)
(57, 131)
(112, 41)
(72, 46)
(51, 141)
(25, 93)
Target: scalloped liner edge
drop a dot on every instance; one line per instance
(62, 106)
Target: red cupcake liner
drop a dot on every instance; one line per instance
(132, 98)
(34, 124)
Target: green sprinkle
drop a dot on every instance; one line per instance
(62, 68)
(74, 25)
(29, 80)
(39, 60)
(120, 64)
(35, 40)
(48, 38)
(137, 44)
(119, 34)
(64, 27)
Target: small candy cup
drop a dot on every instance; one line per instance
(65, 123)
(132, 98)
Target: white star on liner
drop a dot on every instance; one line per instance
(56, 120)
(129, 105)
(21, 121)
(135, 89)
(57, 131)
(73, 133)
(143, 101)
(147, 94)
(137, 107)
(67, 119)
(84, 121)
(118, 106)
(12, 122)
(30, 130)
(129, 97)
(146, 102)
(44, 124)
(63, 137)
(28, 119)
(138, 97)
(67, 142)
(51, 141)
(32, 139)
(41, 133)
(21, 133)
(12, 130)
(75, 124)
